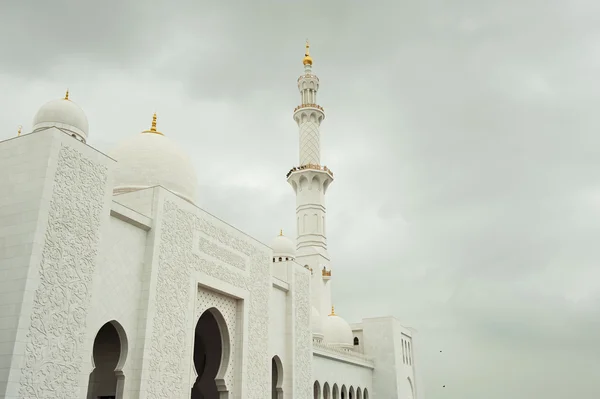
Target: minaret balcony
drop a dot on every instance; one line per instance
(316, 106)
(309, 167)
(310, 178)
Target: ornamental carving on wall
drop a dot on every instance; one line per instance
(303, 336)
(176, 263)
(57, 335)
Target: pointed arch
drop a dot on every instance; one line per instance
(294, 186)
(211, 354)
(326, 391)
(326, 185)
(316, 390)
(302, 183)
(276, 378)
(411, 389)
(109, 354)
(315, 182)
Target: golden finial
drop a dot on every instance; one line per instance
(67, 95)
(19, 131)
(281, 232)
(307, 58)
(332, 311)
(153, 126)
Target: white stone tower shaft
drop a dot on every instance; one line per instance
(310, 179)
(308, 115)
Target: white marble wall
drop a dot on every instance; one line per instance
(394, 375)
(23, 183)
(139, 260)
(279, 334)
(343, 373)
(57, 260)
(117, 291)
(193, 247)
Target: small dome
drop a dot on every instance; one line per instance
(316, 324)
(337, 331)
(150, 159)
(63, 114)
(307, 58)
(283, 247)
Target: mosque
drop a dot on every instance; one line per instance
(115, 284)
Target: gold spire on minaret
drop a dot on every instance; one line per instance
(153, 126)
(67, 95)
(281, 232)
(19, 131)
(332, 311)
(307, 58)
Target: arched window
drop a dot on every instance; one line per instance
(317, 390)
(276, 378)
(280, 258)
(411, 391)
(356, 342)
(326, 391)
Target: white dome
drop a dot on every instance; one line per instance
(63, 114)
(283, 247)
(338, 332)
(316, 323)
(150, 159)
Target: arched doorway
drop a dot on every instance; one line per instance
(344, 392)
(210, 358)
(276, 378)
(109, 353)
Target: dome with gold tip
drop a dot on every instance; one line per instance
(307, 58)
(283, 247)
(151, 159)
(62, 114)
(337, 331)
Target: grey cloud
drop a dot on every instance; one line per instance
(463, 136)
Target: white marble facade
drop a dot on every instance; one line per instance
(114, 284)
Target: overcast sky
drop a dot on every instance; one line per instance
(464, 136)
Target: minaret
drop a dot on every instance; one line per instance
(310, 181)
